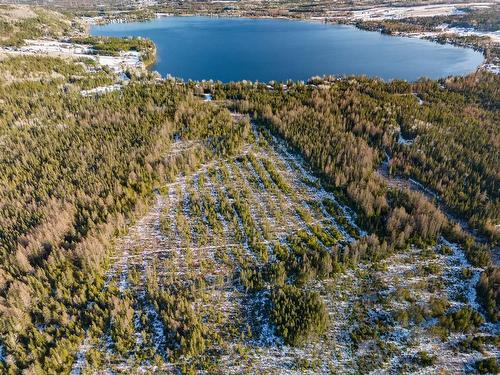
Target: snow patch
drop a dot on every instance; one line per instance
(394, 13)
(102, 90)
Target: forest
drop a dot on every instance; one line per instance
(79, 171)
(365, 121)
(110, 46)
(75, 171)
(339, 225)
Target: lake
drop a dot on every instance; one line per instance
(234, 49)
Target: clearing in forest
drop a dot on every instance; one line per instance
(191, 295)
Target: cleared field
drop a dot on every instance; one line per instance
(190, 273)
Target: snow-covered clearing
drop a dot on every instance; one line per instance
(462, 31)
(101, 90)
(196, 237)
(383, 13)
(49, 47)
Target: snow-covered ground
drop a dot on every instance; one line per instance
(80, 360)
(102, 90)
(492, 68)
(55, 48)
(462, 31)
(129, 59)
(181, 241)
(169, 235)
(395, 13)
(384, 13)
(403, 141)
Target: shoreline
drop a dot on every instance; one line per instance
(429, 35)
(432, 36)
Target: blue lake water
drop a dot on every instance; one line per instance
(234, 49)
